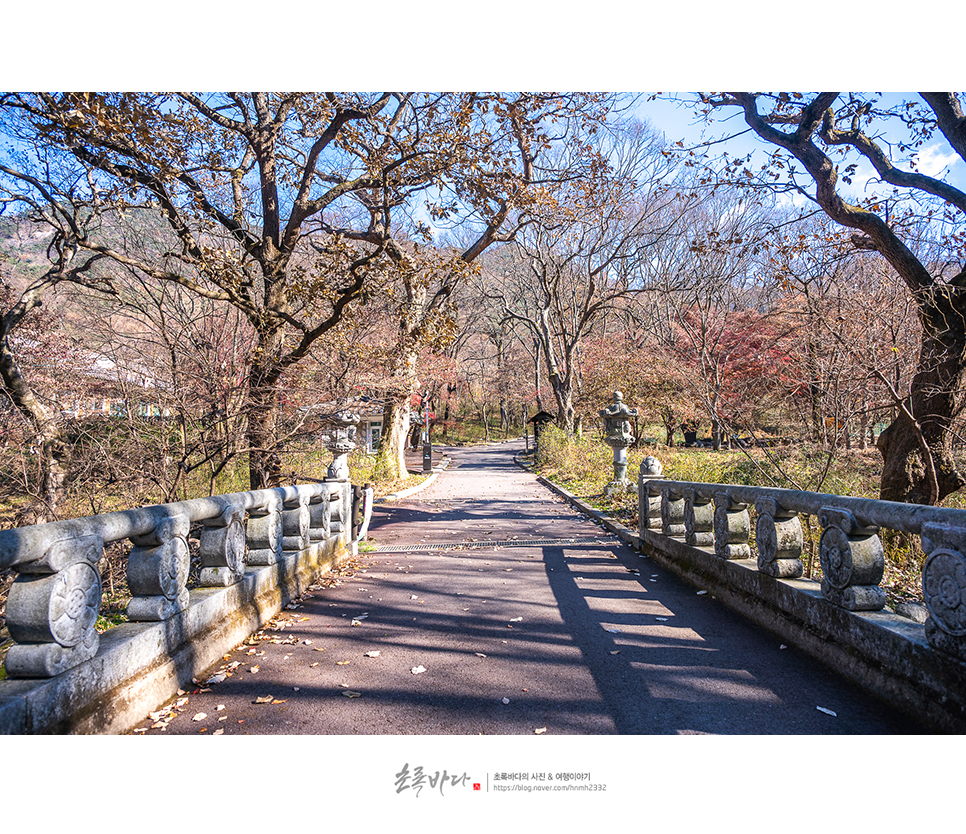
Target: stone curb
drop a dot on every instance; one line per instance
(405, 493)
(624, 533)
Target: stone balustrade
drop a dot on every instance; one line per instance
(704, 533)
(255, 550)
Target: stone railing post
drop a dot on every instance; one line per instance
(732, 528)
(222, 549)
(779, 539)
(265, 533)
(340, 510)
(648, 502)
(52, 609)
(672, 513)
(296, 520)
(368, 496)
(320, 513)
(853, 561)
(157, 571)
(944, 587)
(698, 519)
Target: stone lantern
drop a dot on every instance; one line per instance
(340, 440)
(619, 438)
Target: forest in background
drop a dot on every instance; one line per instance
(189, 282)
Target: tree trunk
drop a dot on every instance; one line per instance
(563, 394)
(264, 456)
(715, 434)
(916, 448)
(51, 447)
(391, 458)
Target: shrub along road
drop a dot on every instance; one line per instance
(528, 619)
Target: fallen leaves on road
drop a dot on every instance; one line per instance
(827, 711)
(263, 699)
(351, 694)
(200, 716)
(418, 670)
(371, 654)
(540, 731)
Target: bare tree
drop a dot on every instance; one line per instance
(565, 272)
(49, 205)
(916, 227)
(284, 205)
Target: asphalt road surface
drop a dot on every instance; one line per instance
(492, 607)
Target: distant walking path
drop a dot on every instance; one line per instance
(492, 607)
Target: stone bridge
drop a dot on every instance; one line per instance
(491, 604)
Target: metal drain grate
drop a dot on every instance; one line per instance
(403, 548)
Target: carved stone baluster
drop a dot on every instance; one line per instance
(157, 572)
(698, 519)
(732, 528)
(265, 533)
(853, 561)
(295, 524)
(222, 549)
(944, 587)
(52, 609)
(339, 515)
(672, 514)
(320, 513)
(779, 539)
(648, 501)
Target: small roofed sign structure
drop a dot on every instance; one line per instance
(539, 420)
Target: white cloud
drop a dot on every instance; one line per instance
(933, 160)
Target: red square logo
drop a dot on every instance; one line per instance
(476, 786)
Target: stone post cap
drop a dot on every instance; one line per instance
(651, 467)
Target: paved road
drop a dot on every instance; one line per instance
(556, 636)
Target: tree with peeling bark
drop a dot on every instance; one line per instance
(917, 227)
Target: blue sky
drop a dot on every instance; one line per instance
(677, 122)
